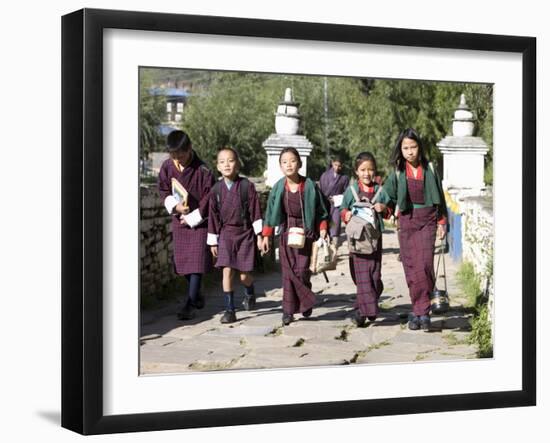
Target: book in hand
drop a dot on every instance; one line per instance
(179, 192)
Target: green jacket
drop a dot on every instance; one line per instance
(349, 200)
(396, 188)
(314, 207)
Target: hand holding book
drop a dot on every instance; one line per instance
(180, 194)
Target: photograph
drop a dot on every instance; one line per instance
(275, 222)
(276, 212)
(327, 220)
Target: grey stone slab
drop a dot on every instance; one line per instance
(174, 355)
(241, 330)
(263, 319)
(305, 356)
(444, 356)
(154, 368)
(420, 338)
(383, 356)
(258, 340)
(161, 340)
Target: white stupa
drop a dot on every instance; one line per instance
(287, 126)
(463, 154)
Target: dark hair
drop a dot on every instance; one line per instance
(398, 161)
(293, 151)
(363, 157)
(178, 140)
(233, 150)
(335, 158)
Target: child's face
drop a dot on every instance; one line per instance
(227, 164)
(289, 164)
(366, 172)
(409, 149)
(181, 156)
(336, 166)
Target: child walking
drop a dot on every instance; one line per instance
(366, 269)
(234, 230)
(295, 202)
(189, 228)
(416, 189)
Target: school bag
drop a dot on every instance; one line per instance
(362, 233)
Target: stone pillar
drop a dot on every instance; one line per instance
(287, 124)
(463, 154)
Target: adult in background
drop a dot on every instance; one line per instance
(415, 188)
(333, 184)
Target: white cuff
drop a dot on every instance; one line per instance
(212, 239)
(193, 219)
(257, 225)
(170, 203)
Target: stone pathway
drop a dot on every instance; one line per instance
(257, 339)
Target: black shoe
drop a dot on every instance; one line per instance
(307, 314)
(359, 319)
(228, 317)
(425, 322)
(199, 302)
(371, 317)
(187, 312)
(287, 319)
(414, 322)
(249, 302)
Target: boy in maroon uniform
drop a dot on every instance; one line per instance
(189, 228)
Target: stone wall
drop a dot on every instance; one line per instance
(155, 245)
(477, 232)
(478, 239)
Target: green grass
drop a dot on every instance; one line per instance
(453, 340)
(344, 334)
(378, 345)
(481, 334)
(470, 283)
(275, 332)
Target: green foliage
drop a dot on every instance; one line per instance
(470, 283)
(151, 111)
(237, 109)
(481, 334)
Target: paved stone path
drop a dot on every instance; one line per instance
(257, 339)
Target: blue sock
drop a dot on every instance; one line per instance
(249, 290)
(229, 302)
(194, 281)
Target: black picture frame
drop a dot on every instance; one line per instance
(82, 231)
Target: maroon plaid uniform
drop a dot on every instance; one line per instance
(191, 254)
(366, 273)
(417, 237)
(236, 242)
(297, 293)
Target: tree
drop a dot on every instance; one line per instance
(151, 112)
(237, 109)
